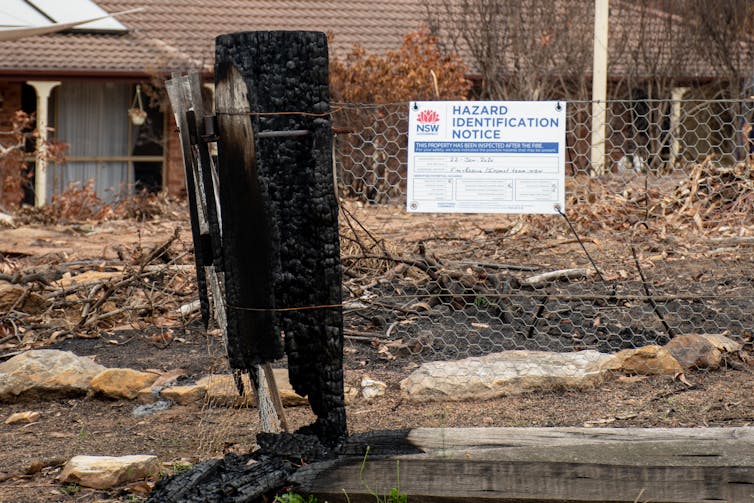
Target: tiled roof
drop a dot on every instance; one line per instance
(179, 34)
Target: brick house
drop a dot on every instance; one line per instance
(85, 80)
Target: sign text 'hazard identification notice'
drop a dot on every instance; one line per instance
(486, 156)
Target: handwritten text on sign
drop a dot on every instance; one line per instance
(486, 157)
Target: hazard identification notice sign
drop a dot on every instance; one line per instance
(486, 157)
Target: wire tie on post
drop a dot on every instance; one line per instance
(332, 111)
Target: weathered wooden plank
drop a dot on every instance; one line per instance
(433, 439)
(549, 464)
(207, 171)
(180, 101)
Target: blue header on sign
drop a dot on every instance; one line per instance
(500, 147)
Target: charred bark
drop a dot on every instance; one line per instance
(237, 479)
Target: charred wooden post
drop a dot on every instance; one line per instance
(281, 254)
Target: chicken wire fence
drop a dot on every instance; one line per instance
(658, 245)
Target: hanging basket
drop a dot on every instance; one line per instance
(137, 116)
(136, 113)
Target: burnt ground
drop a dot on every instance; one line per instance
(397, 316)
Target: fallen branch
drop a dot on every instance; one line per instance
(548, 277)
(391, 307)
(510, 267)
(540, 309)
(158, 251)
(419, 264)
(90, 299)
(735, 241)
(21, 299)
(9, 338)
(109, 314)
(18, 278)
(111, 288)
(357, 335)
(564, 242)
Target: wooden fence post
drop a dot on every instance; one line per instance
(182, 101)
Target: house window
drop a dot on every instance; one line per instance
(92, 118)
(147, 150)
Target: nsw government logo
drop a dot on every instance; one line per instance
(427, 122)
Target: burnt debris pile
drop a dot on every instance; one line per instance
(243, 478)
(279, 463)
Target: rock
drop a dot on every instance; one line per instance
(147, 409)
(6, 219)
(505, 373)
(46, 373)
(350, 393)
(184, 395)
(22, 417)
(648, 360)
(151, 393)
(222, 392)
(289, 397)
(724, 344)
(16, 297)
(121, 383)
(371, 388)
(694, 351)
(105, 472)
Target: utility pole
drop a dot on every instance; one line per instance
(599, 86)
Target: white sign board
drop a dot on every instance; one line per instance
(486, 156)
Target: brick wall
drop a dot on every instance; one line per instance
(10, 192)
(11, 92)
(174, 182)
